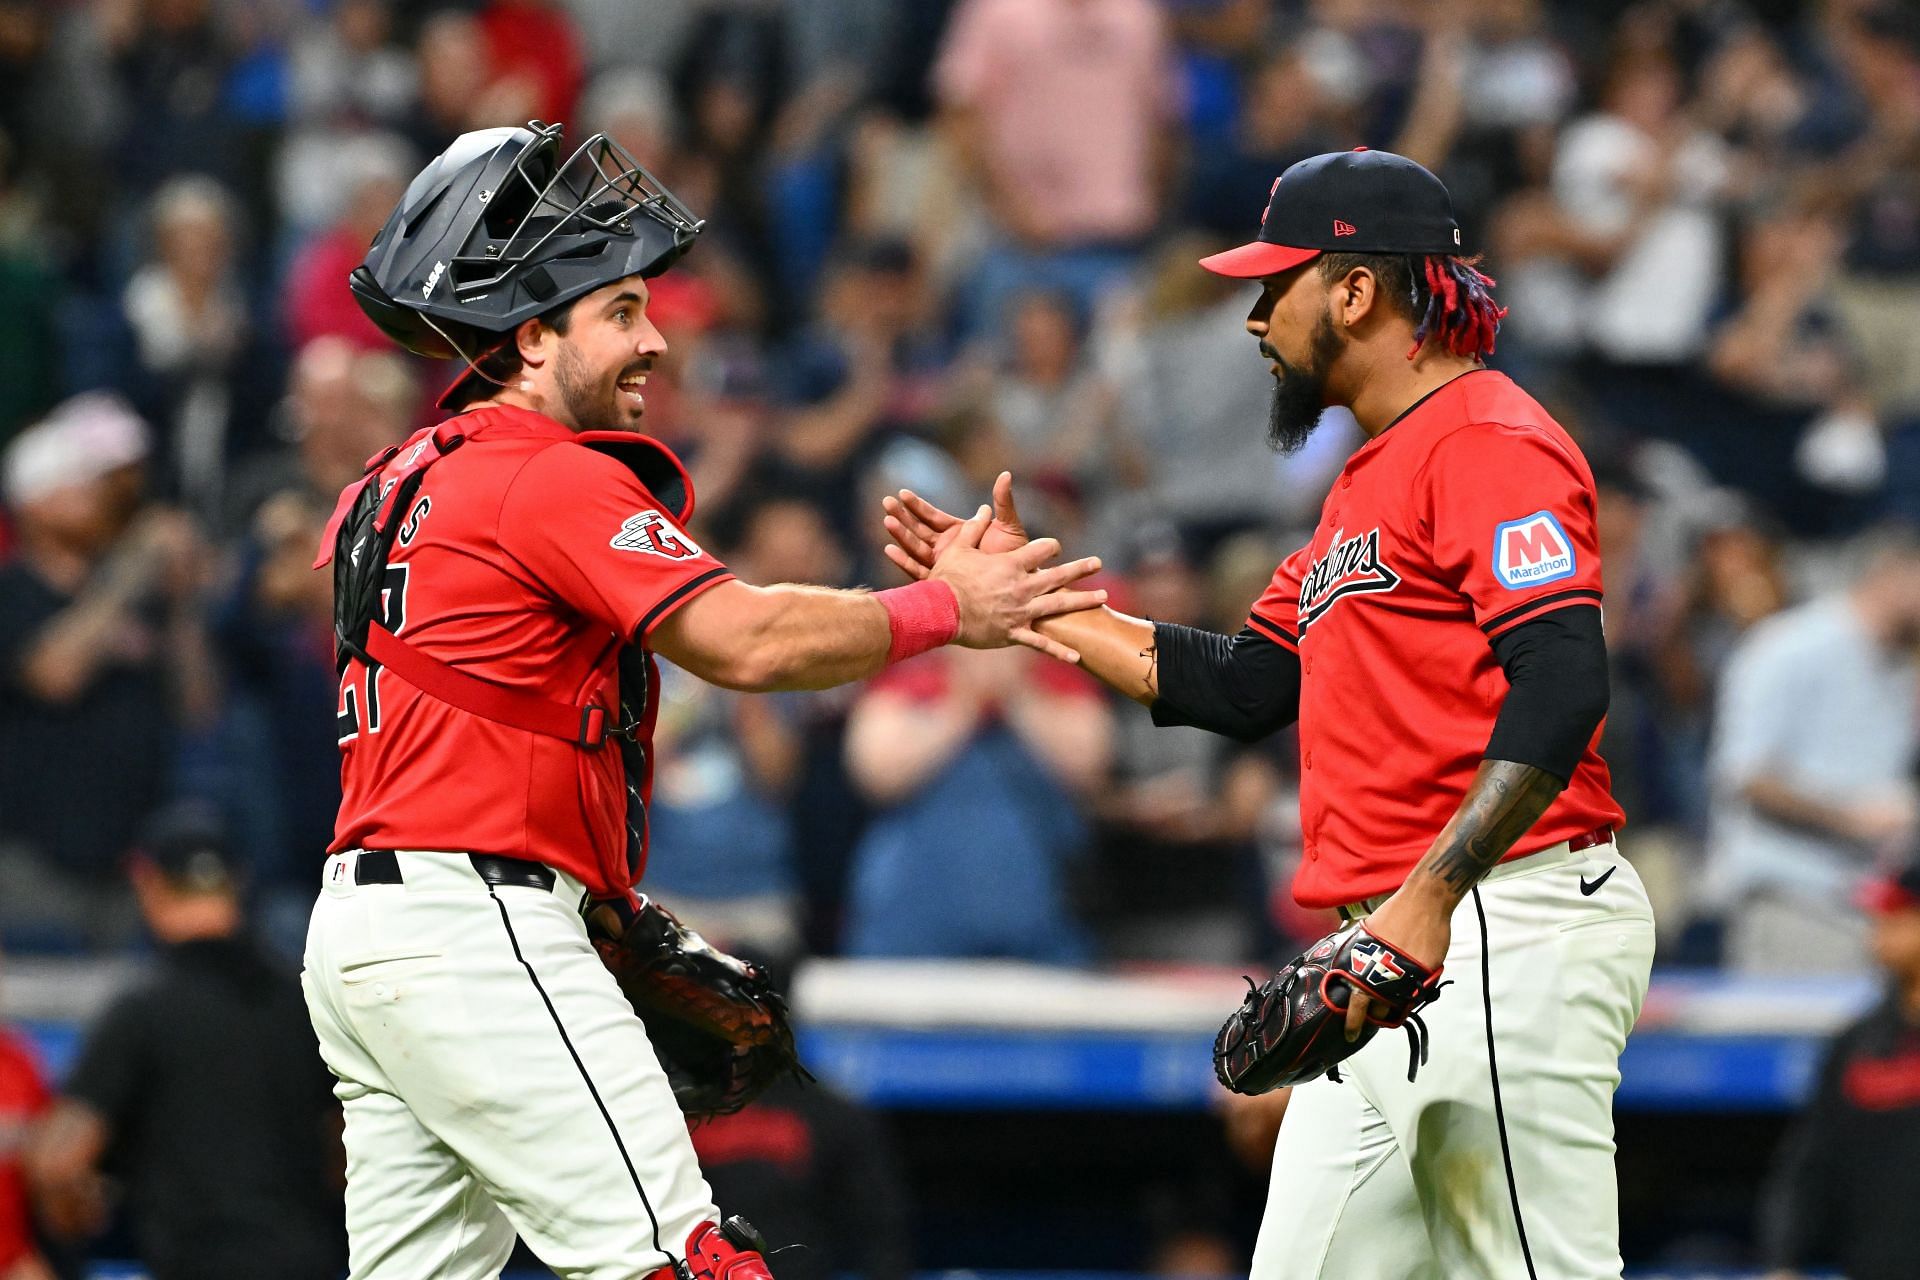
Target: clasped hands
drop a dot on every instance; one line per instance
(926, 541)
(999, 575)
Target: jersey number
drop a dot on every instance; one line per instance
(393, 616)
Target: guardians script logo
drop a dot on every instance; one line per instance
(1349, 567)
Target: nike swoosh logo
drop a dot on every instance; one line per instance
(1588, 890)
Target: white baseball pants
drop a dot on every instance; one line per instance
(494, 1080)
(1497, 1162)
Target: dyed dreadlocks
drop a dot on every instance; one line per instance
(1446, 297)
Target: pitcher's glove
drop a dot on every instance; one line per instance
(1293, 1027)
(717, 1025)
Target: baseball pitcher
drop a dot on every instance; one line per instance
(1439, 643)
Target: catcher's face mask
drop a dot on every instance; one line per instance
(499, 229)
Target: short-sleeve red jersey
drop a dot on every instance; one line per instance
(1471, 514)
(530, 560)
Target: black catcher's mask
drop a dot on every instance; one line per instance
(498, 230)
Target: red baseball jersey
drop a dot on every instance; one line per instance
(527, 559)
(1471, 514)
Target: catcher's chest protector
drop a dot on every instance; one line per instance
(360, 538)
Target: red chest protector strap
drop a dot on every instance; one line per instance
(362, 528)
(585, 726)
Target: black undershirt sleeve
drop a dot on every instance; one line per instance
(1556, 666)
(1243, 686)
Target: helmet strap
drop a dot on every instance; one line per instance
(473, 361)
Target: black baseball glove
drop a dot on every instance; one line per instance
(1293, 1027)
(717, 1025)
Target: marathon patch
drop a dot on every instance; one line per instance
(1531, 550)
(649, 533)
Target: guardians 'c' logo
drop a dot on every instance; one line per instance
(1350, 566)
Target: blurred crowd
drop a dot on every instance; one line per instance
(945, 238)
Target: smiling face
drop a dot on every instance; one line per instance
(1295, 329)
(591, 375)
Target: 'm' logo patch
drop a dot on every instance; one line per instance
(650, 534)
(1532, 550)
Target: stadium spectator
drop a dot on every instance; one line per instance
(1059, 413)
(1812, 766)
(1787, 370)
(198, 371)
(103, 654)
(1731, 581)
(867, 371)
(200, 1091)
(1856, 1148)
(1620, 255)
(24, 1098)
(1061, 112)
(973, 762)
(1643, 186)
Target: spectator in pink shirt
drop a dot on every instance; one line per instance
(1059, 110)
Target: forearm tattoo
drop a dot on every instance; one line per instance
(1149, 683)
(1505, 800)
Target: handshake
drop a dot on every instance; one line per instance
(998, 574)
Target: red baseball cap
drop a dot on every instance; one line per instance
(1357, 201)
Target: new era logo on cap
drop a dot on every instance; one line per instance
(1343, 228)
(1532, 550)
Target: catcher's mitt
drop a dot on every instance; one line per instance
(1293, 1028)
(718, 1026)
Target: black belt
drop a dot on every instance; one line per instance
(382, 866)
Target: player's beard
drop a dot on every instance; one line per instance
(1300, 394)
(593, 404)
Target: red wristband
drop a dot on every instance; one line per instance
(921, 616)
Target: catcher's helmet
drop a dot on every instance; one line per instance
(498, 230)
